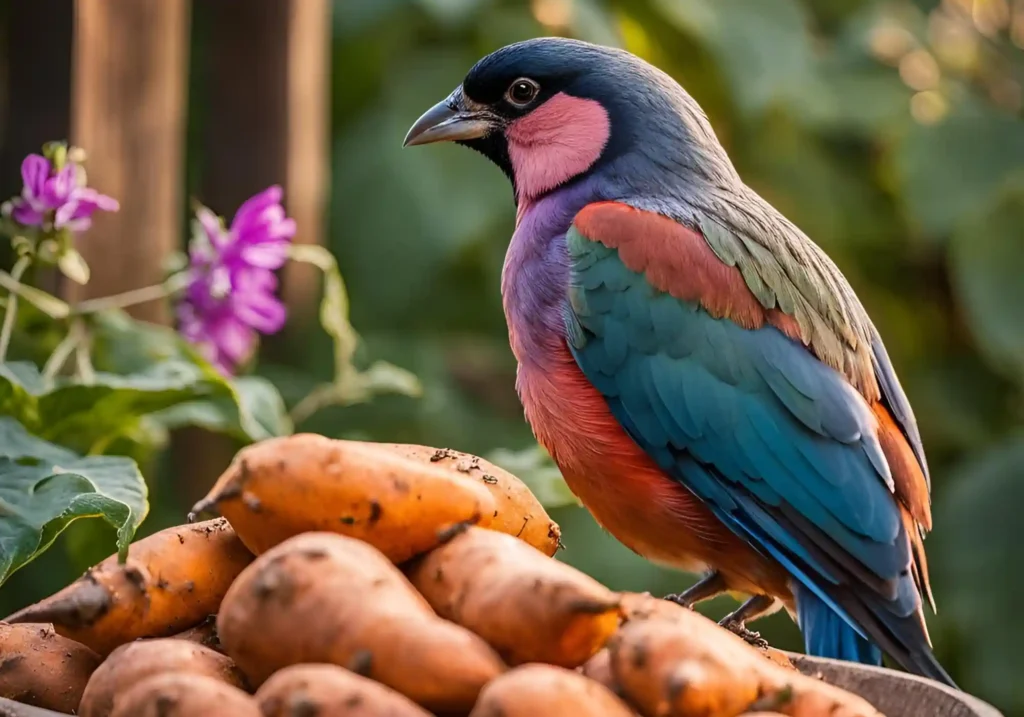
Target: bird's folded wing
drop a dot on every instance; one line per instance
(722, 393)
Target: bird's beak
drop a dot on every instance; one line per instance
(453, 118)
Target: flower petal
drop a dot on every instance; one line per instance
(25, 214)
(284, 229)
(76, 213)
(253, 207)
(253, 301)
(266, 254)
(58, 188)
(90, 200)
(250, 280)
(265, 313)
(34, 170)
(72, 216)
(233, 339)
(212, 227)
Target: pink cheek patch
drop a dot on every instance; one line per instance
(558, 140)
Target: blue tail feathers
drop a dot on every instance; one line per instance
(826, 634)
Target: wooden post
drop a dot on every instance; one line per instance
(268, 115)
(128, 113)
(267, 111)
(308, 147)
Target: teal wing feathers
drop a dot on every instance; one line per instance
(779, 445)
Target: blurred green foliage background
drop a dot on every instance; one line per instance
(890, 130)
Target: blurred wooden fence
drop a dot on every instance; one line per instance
(113, 77)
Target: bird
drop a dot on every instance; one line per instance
(704, 376)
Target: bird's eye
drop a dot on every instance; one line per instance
(522, 92)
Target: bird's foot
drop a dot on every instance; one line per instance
(711, 585)
(680, 599)
(740, 630)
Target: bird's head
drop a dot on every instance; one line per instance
(551, 110)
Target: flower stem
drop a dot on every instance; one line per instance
(45, 302)
(83, 360)
(60, 355)
(133, 297)
(19, 268)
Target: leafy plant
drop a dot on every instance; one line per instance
(130, 382)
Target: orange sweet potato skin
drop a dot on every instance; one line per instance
(129, 664)
(527, 606)
(676, 662)
(517, 511)
(205, 634)
(282, 487)
(643, 606)
(172, 580)
(184, 695)
(41, 668)
(599, 669)
(547, 691)
(322, 689)
(321, 597)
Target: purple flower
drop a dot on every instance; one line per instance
(261, 231)
(231, 294)
(46, 191)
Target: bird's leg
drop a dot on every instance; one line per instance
(735, 621)
(711, 585)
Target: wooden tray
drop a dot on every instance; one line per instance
(895, 694)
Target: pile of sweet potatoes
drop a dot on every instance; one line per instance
(349, 578)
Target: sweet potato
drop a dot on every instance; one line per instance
(129, 664)
(547, 691)
(331, 690)
(41, 668)
(205, 634)
(599, 669)
(643, 606)
(517, 511)
(184, 695)
(171, 580)
(684, 664)
(527, 606)
(285, 486)
(321, 597)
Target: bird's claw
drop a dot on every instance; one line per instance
(740, 630)
(679, 599)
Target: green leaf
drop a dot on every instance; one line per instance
(124, 345)
(248, 407)
(20, 383)
(975, 546)
(987, 257)
(255, 411)
(89, 415)
(451, 12)
(538, 471)
(384, 377)
(951, 170)
(44, 487)
(769, 35)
